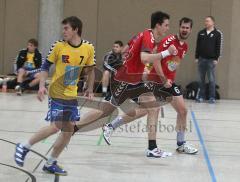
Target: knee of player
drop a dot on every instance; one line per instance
(105, 114)
(106, 73)
(37, 76)
(137, 113)
(21, 71)
(55, 128)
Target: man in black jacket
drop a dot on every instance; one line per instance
(28, 61)
(208, 51)
(112, 60)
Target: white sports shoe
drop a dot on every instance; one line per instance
(18, 90)
(187, 149)
(157, 153)
(107, 133)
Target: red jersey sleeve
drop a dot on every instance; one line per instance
(147, 41)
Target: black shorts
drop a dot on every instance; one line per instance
(121, 91)
(162, 94)
(175, 90)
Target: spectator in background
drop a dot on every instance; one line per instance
(208, 51)
(28, 61)
(111, 61)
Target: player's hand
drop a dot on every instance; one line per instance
(168, 84)
(215, 62)
(172, 50)
(196, 60)
(89, 94)
(41, 92)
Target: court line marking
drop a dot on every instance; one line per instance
(205, 151)
(33, 178)
(33, 171)
(56, 179)
(40, 155)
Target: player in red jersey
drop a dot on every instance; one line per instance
(169, 66)
(127, 81)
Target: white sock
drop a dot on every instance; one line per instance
(180, 137)
(118, 121)
(27, 145)
(104, 89)
(51, 160)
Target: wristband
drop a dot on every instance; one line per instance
(165, 54)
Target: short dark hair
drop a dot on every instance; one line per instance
(119, 42)
(33, 41)
(211, 17)
(186, 20)
(158, 17)
(74, 22)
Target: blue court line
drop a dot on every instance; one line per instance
(205, 152)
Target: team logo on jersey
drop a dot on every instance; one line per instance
(172, 65)
(65, 58)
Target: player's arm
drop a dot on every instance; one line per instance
(151, 58)
(158, 68)
(146, 51)
(90, 73)
(51, 59)
(156, 60)
(20, 60)
(43, 77)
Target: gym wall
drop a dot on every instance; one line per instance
(105, 21)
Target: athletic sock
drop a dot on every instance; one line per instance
(27, 145)
(152, 144)
(51, 160)
(118, 121)
(104, 89)
(180, 138)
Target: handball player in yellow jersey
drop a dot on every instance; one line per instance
(69, 56)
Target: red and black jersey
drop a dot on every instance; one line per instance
(132, 69)
(169, 63)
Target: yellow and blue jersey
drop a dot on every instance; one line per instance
(69, 61)
(29, 64)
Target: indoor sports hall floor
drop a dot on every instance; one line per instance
(214, 129)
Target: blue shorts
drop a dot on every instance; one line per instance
(31, 76)
(62, 110)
